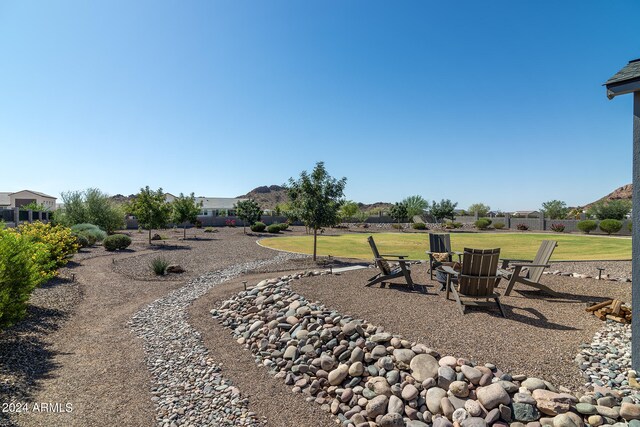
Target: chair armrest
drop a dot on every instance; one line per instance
(394, 256)
(456, 253)
(507, 261)
(449, 270)
(399, 260)
(531, 265)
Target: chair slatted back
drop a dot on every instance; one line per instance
(382, 264)
(479, 271)
(542, 257)
(440, 243)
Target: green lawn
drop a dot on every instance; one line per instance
(512, 245)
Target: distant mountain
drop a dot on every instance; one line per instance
(267, 197)
(622, 193)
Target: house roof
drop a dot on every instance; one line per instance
(218, 202)
(35, 192)
(631, 71)
(626, 80)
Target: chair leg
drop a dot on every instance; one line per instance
(448, 284)
(457, 298)
(513, 279)
(407, 274)
(430, 268)
(500, 307)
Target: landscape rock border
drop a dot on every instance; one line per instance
(366, 376)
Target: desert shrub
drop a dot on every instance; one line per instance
(610, 226)
(230, 223)
(90, 229)
(587, 226)
(59, 243)
(558, 228)
(159, 266)
(522, 227)
(82, 240)
(273, 228)
(499, 225)
(283, 226)
(452, 224)
(397, 226)
(116, 242)
(482, 223)
(419, 226)
(198, 223)
(20, 273)
(210, 230)
(258, 227)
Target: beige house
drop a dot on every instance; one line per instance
(24, 197)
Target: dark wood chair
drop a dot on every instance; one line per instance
(476, 280)
(440, 243)
(386, 271)
(534, 269)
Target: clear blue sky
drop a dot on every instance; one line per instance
(495, 101)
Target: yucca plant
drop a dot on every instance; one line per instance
(159, 266)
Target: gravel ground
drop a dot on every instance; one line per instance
(613, 269)
(540, 336)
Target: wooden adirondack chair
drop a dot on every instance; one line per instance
(534, 269)
(477, 278)
(386, 271)
(440, 243)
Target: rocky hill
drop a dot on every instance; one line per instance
(622, 193)
(267, 196)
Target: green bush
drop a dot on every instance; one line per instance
(419, 226)
(273, 228)
(83, 240)
(610, 226)
(397, 226)
(587, 226)
(258, 227)
(90, 229)
(116, 242)
(482, 223)
(159, 266)
(58, 242)
(499, 225)
(210, 230)
(20, 273)
(283, 226)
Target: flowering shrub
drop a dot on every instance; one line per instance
(57, 242)
(230, 223)
(558, 228)
(522, 227)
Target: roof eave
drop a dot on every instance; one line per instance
(622, 88)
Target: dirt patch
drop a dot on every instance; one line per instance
(238, 364)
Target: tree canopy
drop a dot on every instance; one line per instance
(316, 199)
(185, 210)
(399, 212)
(249, 211)
(480, 208)
(555, 209)
(151, 209)
(416, 205)
(90, 206)
(443, 210)
(613, 209)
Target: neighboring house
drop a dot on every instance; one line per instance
(526, 214)
(215, 206)
(24, 197)
(169, 197)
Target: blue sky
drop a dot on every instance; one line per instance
(497, 102)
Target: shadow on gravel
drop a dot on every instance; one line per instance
(25, 358)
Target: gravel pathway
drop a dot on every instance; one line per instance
(188, 388)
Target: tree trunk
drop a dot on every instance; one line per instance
(315, 241)
(149, 235)
(244, 229)
(184, 236)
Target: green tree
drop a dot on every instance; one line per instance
(444, 209)
(34, 206)
(185, 211)
(555, 209)
(249, 212)
(480, 208)
(90, 206)
(398, 212)
(415, 205)
(316, 199)
(349, 209)
(151, 209)
(613, 209)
